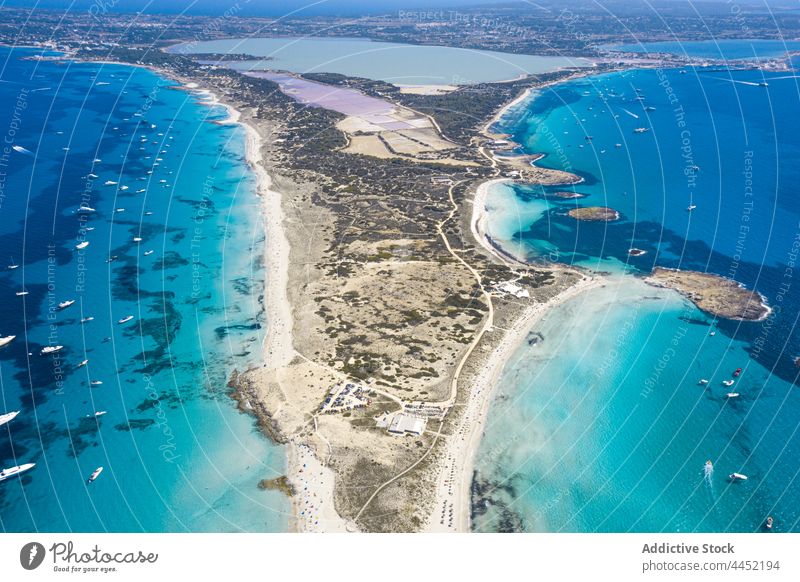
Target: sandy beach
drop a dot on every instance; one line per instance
(480, 217)
(313, 506)
(452, 507)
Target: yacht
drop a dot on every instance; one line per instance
(125, 319)
(83, 245)
(15, 471)
(94, 475)
(4, 341)
(8, 417)
(13, 265)
(65, 304)
(737, 477)
(51, 350)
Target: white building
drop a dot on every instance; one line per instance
(405, 423)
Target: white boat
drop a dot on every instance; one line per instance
(82, 245)
(94, 475)
(727, 382)
(87, 319)
(83, 363)
(148, 253)
(93, 176)
(96, 382)
(99, 413)
(703, 382)
(21, 293)
(732, 395)
(125, 319)
(737, 477)
(8, 417)
(22, 150)
(641, 130)
(111, 183)
(96, 161)
(13, 265)
(691, 207)
(4, 341)
(15, 471)
(65, 304)
(119, 210)
(51, 349)
(137, 239)
(86, 209)
(124, 187)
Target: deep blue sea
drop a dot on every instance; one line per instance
(602, 426)
(163, 175)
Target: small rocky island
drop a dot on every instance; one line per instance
(594, 214)
(566, 195)
(713, 294)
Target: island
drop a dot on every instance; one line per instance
(594, 214)
(718, 296)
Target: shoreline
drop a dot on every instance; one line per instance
(312, 479)
(454, 483)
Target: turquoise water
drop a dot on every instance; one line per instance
(401, 64)
(603, 426)
(715, 49)
(177, 456)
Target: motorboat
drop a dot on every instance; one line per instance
(21, 293)
(769, 522)
(83, 363)
(737, 477)
(148, 253)
(65, 304)
(8, 417)
(125, 319)
(727, 382)
(15, 471)
(641, 130)
(87, 319)
(82, 245)
(96, 382)
(703, 382)
(137, 239)
(732, 395)
(51, 350)
(691, 207)
(736, 372)
(4, 341)
(94, 475)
